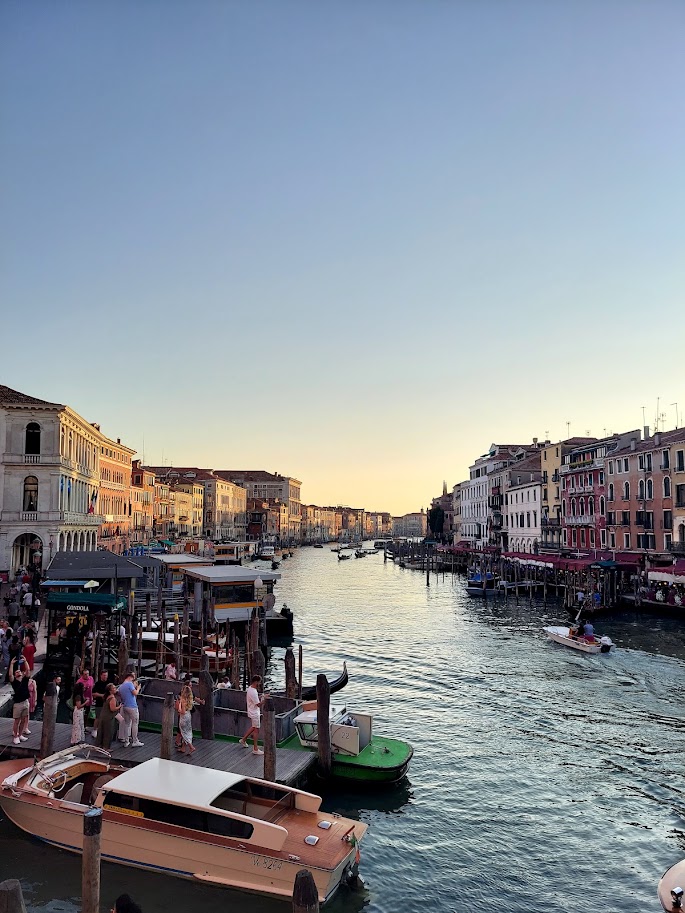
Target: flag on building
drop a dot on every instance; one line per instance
(93, 499)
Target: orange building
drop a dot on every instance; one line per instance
(142, 504)
(114, 495)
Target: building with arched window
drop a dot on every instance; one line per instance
(49, 481)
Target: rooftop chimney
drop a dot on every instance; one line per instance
(645, 432)
(633, 443)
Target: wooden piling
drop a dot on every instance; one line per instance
(90, 868)
(269, 738)
(47, 737)
(11, 898)
(305, 894)
(166, 743)
(323, 725)
(290, 680)
(177, 643)
(299, 673)
(122, 658)
(148, 612)
(234, 670)
(258, 663)
(207, 695)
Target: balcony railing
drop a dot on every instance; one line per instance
(29, 516)
(550, 521)
(72, 516)
(585, 520)
(678, 548)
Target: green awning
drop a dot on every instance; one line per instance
(88, 602)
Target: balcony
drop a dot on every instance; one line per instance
(555, 476)
(677, 548)
(29, 516)
(72, 516)
(550, 521)
(585, 520)
(581, 490)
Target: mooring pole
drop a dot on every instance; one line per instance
(90, 869)
(47, 736)
(305, 894)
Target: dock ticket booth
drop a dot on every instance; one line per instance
(77, 620)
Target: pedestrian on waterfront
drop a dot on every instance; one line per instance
(5, 641)
(78, 730)
(13, 612)
(128, 692)
(20, 700)
(224, 683)
(15, 649)
(109, 709)
(33, 702)
(29, 649)
(99, 691)
(185, 705)
(86, 680)
(171, 672)
(253, 712)
(124, 904)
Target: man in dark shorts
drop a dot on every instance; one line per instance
(18, 676)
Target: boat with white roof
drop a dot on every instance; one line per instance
(192, 822)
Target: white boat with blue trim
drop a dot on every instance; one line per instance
(197, 823)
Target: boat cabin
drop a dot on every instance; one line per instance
(350, 733)
(232, 590)
(173, 566)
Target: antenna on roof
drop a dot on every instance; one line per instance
(568, 429)
(676, 413)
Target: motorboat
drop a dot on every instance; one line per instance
(564, 635)
(358, 754)
(481, 585)
(342, 557)
(670, 890)
(205, 825)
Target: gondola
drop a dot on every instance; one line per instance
(309, 694)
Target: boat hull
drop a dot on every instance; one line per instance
(672, 878)
(560, 635)
(383, 762)
(127, 841)
(479, 591)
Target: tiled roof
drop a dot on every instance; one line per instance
(9, 397)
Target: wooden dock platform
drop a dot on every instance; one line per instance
(291, 766)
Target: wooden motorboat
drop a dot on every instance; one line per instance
(564, 635)
(342, 557)
(358, 754)
(197, 823)
(671, 889)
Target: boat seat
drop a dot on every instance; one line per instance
(74, 794)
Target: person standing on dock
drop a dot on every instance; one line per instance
(253, 712)
(128, 691)
(20, 705)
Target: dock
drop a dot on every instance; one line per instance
(292, 767)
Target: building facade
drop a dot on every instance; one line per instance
(49, 481)
(114, 499)
(272, 486)
(411, 526)
(523, 506)
(142, 504)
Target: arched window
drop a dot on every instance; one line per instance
(650, 489)
(581, 507)
(601, 506)
(573, 507)
(611, 491)
(32, 441)
(641, 490)
(591, 506)
(667, 487)
(31, 493)
(626, 491)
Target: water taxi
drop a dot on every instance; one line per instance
(670, 890)
(564, 635)
(358, 754)
(191, 822)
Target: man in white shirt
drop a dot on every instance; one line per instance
(253, 712)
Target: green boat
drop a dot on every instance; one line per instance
(358, 754)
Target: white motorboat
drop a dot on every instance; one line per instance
(562, 635)
(205, 825)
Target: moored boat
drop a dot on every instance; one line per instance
(358, 754)
(670, 890)
(197, 823)
(477, 585)
(564, 635)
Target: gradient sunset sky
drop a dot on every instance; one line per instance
(353, 242)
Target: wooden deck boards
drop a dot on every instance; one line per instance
(291, 766)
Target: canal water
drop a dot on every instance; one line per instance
(542, 779)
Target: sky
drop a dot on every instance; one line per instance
(354, 243)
